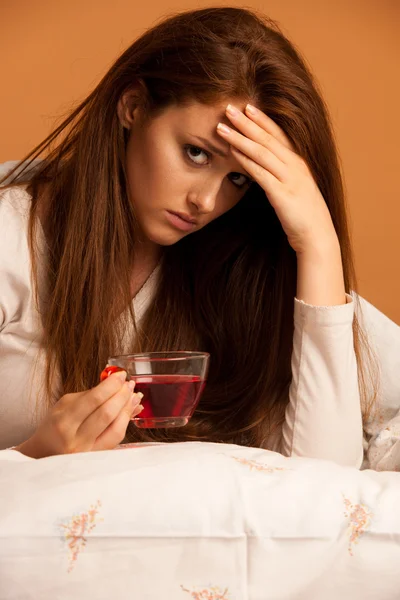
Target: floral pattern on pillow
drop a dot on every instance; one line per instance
(208, 593)
(77, 529)
(257, 466)
(360, 517)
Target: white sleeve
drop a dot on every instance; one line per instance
(323, 418)
(14, 266)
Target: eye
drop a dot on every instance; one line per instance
(194, 152)
(237, 176)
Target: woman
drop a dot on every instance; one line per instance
(151, 227)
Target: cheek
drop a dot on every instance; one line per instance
(154, 174)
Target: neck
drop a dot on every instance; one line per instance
(147, 255)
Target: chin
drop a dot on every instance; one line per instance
(164, 238)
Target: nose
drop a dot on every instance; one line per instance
(205, 199)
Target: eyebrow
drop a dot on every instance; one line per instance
(211, 146)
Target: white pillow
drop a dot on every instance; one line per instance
(196, 521)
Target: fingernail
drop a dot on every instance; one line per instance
(120, 375)
(136, 410)
(223, 128)
(131, 385)
(251, 109)
(136, 398)
(232, 110)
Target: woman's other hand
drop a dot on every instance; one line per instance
(86, 421)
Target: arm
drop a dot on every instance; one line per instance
(320, 274)
(18, 328)
(323, 417)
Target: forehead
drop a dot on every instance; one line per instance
(199, 115)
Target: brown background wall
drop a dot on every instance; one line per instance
(53, 53)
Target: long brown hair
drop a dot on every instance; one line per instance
(227, 289)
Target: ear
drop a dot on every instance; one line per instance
(128, 105)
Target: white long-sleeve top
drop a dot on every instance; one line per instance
(323, 416)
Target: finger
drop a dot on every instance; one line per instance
(266, 180)
(263, 130)
(269, 125)
(100, 419)
(116, 431)
(258, 153)
(94, 398)
(138, 409)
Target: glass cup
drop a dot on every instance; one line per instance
(171, 384)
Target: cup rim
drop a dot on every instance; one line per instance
(160, 356)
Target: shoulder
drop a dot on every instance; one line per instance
(15, 203)
(15, 263)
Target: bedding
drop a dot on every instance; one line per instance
(199, 521)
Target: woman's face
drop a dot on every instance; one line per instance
(181, 174)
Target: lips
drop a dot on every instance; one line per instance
(184, 217)
(181, 221)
